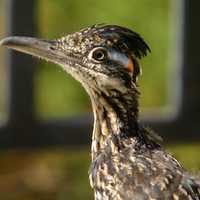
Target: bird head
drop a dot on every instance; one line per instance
(100, 57)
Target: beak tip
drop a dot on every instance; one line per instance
(8, 41)
(32, 46)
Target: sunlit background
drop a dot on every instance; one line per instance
(60, 174)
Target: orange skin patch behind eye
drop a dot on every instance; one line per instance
(130, 64)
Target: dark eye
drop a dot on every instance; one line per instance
(99, 54)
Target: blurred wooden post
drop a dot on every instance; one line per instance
(191, 62)
(20, 21)
(20, 71)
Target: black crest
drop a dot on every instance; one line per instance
(126, 37)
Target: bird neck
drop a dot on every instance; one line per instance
(115, 114)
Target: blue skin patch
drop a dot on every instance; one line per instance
(121, 58)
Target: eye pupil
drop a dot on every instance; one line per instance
(99, 55)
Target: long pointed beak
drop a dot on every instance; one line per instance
(45, 49)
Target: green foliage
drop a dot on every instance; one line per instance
(188, 155)
(57, 94)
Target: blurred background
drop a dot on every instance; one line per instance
(60, 173)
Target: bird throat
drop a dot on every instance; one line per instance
(115, 115)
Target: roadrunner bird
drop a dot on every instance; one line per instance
(127, 161)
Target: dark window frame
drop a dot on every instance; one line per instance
(22, 129)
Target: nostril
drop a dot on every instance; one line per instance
(52, 48)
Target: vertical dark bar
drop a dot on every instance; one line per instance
(20, 21)
(191, 62)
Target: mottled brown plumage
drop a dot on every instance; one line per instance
(127, 161)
